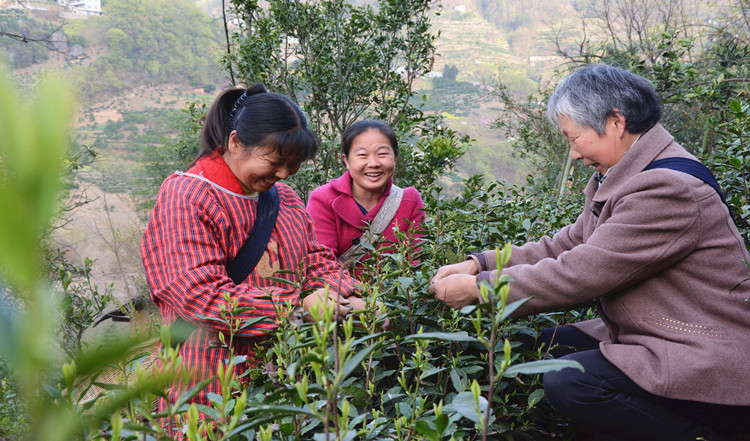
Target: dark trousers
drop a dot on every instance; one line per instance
(610, 406)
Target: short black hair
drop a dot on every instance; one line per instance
(362, 126)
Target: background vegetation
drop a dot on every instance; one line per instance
(17, 52)
(151, 42)
(439, 374)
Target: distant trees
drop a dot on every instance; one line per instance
(696, 67)
(153, 41)
(343, 62)
(701, 71)
(450, 72)
(628, 27)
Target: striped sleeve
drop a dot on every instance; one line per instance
(186, 244)
(321, 266)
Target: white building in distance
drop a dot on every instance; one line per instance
(85, 7)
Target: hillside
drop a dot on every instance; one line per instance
(468, 40)
(483, 55)
(132, 98)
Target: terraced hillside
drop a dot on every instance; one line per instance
(471, 43)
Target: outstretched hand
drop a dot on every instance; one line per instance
(333, 299)
(465, 267)
(456, 290)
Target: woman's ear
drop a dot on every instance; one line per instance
(234, 144)
(618, 120)
(345, 161)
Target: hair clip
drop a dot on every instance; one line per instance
(236, 105)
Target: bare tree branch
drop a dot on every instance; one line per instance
(229, 47)
(626, 26)
(47, 40)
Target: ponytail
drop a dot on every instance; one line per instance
(260, 119)
(222, 116)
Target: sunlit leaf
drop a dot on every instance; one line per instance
(445, 336)
(541, 367)
(463, 403)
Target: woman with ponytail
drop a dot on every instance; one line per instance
(251, 141)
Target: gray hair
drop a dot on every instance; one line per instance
(590, 94)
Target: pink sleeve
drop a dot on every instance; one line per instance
(417, 213)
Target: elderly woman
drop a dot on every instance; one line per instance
(669, 357)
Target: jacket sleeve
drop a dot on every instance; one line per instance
(651, 227)
(417, 212)
(547, 247)
(323, 268)
(324, 219)
(184, 260)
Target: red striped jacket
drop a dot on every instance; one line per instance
(200, 221)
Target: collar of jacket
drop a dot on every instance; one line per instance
(215, 169)
(648, 147)
(346, 207)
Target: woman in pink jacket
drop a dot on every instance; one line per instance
(656, 248)
(344, 208)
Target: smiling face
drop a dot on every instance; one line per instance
(599, 151)
(371, 163)
(259, 168)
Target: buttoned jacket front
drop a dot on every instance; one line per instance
(660, 252)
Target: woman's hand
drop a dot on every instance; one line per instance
(466, 267)
(358, 304)
(456, 290)
(344, 305)
(332, 300)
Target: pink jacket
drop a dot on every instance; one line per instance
(339, 221)
(660, 252)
